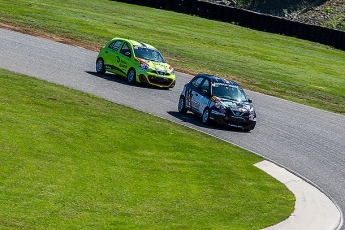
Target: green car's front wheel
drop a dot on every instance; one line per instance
(100, 66)
(131, 76)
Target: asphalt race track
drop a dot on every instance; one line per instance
(306, 141)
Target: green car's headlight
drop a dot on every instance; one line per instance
(171, 69)
(143, 65)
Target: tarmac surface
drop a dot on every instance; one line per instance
(313, 209)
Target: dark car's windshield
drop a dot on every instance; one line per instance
(228, 92)
(148, 54)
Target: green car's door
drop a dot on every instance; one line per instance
(111, 57)
(125, 58)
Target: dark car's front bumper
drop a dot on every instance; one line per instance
(232, 120)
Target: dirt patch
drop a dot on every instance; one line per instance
(41, 34)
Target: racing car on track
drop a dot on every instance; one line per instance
(219, 100)
(138, 61)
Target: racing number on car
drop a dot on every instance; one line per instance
(195, 101)
(117, 59)
(123, 65)
(189, 96)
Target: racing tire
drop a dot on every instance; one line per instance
(100, 66)
(182, 105)
(173, 84)
(206, 116)
(249, 128)
(131, 76)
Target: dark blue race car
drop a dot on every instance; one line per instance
(218, 99)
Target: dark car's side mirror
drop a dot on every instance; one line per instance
(250, 100)
(205, 92)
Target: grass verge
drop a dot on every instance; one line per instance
(285, 67)
(70, 160)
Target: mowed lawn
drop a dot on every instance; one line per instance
(70, 160)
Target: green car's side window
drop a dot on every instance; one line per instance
(125, 49)
(115, 45)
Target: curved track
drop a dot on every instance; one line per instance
(306, 141)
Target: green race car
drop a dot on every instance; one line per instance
(138, 61)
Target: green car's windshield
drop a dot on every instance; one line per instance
(228, 92)
(148, 54)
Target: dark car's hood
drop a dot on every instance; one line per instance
(240, 106)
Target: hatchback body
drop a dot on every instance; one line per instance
(138, 61)
(219, 100)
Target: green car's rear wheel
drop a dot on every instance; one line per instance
(131, 76)
(100, 66)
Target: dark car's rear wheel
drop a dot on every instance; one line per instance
(182, 105)
(100, 66)
(131, 76)
(206, 116)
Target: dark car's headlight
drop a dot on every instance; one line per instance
(218, 105)
(251, 110)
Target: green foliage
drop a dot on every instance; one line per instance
(70, 160)
(329, 9)
(286, 12)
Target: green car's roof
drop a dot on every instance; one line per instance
(135, 43)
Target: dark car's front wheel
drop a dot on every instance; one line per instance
(182, 105)
(100, 66)
(249, 127)
(206, 116)
(131, 76)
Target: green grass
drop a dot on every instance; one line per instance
(70, 160)
(286, 67)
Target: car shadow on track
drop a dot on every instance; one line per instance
(195, 120)
(122, 80)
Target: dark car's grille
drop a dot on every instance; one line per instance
(239, 114)
(233, 120)
(160, 80)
